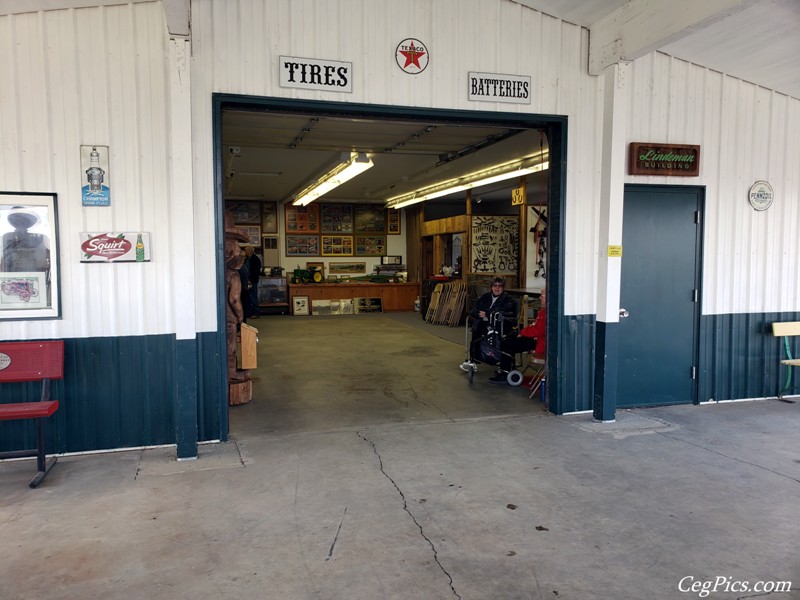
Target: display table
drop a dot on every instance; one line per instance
(394, 296)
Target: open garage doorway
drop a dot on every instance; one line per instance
(385, 367)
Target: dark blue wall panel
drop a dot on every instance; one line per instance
(121, 393)
(739, 357)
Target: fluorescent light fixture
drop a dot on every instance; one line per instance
(350, 164)
(468, 182)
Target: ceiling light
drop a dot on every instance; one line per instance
(350, 164)
(468, 182)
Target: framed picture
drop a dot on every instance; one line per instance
(336, 218)
(300, 306)
(337, 245)
(370, 218)
(29, 269)
(269, 217)
(253, 234)
(315, 265)
(302, 219)
(302, 245)
(370, 245)
(393, 222)
(347, 267)
(247, 213)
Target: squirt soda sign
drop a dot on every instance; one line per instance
(124, 246)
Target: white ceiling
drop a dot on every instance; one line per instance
(755, 40)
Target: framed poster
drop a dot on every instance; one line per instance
(370, 218)
(347, 267)
(247, 213)
(337, 245)
(302, 219)
(336, 218)
(302, 245)
(300, 306)
(495, 244)
(253, 233)
(269, 217)
(29, 267)
(370, 245)
(393, 222)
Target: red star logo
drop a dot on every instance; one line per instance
(413, 54)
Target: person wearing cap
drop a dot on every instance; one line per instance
(23, 250)
(495, 301)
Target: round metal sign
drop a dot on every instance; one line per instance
(412, 56)
(761, 195)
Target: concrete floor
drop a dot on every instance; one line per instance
(367, 468)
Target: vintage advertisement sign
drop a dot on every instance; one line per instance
(97, 181)
(675, 160)
(115, 247)
(495, 87)
(761, 195)
(412, 56)
(314, 74)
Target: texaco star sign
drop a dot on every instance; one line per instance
(412, 56)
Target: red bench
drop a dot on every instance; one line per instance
(24, 362)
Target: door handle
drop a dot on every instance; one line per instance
(623, 313)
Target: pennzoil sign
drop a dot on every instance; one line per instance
(664, 159)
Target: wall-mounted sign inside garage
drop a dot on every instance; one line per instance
(664, 159)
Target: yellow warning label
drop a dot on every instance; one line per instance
(615, 251)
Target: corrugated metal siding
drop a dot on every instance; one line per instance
(740, 358)
(94, 76)
(236, 45)
(746, 133)
(116, 393)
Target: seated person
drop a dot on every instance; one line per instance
(529, 338)
(495, 301)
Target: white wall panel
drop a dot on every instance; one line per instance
(746, 133)
(236, 45)
(93, 76)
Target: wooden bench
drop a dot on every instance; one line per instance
(786, 330)
(25, 362)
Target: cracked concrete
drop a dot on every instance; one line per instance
(362, 471)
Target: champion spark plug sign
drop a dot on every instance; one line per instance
(115, 247)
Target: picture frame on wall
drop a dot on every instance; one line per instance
(393, 222)
(336, 218)
(269, 217)
(302, 219)
(370, 245)
(337, 245)
(29, 256)
(253, 233)
(300, 306)
(369, 218)
(339, 268)
(302, 245)
(245, 213)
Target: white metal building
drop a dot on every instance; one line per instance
(147, 79)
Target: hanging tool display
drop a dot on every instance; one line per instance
(539, 231)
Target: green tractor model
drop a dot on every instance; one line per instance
(312, 275)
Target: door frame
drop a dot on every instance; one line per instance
(607, 334)
(555, 127)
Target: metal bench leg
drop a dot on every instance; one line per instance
(42, 465)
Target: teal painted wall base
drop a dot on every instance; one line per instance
(127, 392)
(604, 406)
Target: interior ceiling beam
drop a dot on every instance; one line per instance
(643, 26)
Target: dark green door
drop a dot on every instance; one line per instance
(661, 243)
